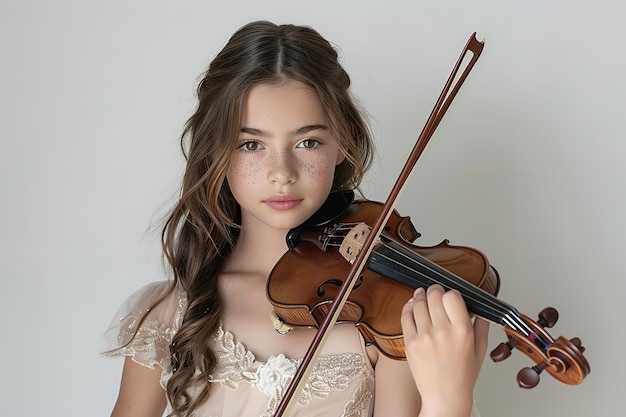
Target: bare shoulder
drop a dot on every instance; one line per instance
(141, 394)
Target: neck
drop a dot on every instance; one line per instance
(257, 251)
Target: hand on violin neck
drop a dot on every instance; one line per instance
(445, 350)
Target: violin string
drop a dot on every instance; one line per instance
(507, 313)
(504, 313)
(500, 309)
(441, 278)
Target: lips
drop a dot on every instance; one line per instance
(282, 202)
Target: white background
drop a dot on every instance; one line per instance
(527, 166)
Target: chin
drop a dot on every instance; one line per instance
(289, 221)
(287, 225)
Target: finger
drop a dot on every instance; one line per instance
(421, 310)
(407, 319)
(436, 308)
(456, 308)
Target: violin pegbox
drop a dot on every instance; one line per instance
(562, 358)
(353, 242)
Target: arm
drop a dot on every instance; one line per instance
(445, 350)
(396, 394)
(141, 394)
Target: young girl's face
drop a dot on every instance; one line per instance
(282, 169)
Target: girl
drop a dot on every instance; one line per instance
(274, 133)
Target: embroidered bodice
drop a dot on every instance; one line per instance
(346, 379)
(339, 384)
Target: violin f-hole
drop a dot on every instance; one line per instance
(337, 283)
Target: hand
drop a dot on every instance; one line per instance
(445, 350)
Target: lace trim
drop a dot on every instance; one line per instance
(150, 347)
(330, 373)
(359, 404)
(147, 344)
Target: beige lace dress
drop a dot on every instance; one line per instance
(339, 384)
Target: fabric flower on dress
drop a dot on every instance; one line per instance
(274, 376)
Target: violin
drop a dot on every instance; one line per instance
(306, 280)
(356, 262)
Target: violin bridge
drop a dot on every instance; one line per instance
(353, 242)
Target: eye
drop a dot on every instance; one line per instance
(250, 146)
(309, 143)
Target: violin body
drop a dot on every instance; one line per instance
(304, 284)
(305, 281)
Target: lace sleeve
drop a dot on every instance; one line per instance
(147, 343)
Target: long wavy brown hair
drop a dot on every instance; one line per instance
(201, 230)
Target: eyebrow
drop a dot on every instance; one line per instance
(300, 131)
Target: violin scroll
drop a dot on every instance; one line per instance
(562, 358)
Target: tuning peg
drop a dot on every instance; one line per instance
(548, 317)
(503, 350)
(578, 343)
(529, 377)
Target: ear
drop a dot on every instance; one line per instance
(340, 158)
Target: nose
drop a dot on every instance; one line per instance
(282, 168)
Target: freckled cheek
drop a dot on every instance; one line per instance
(242, 175)
(321, 171)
